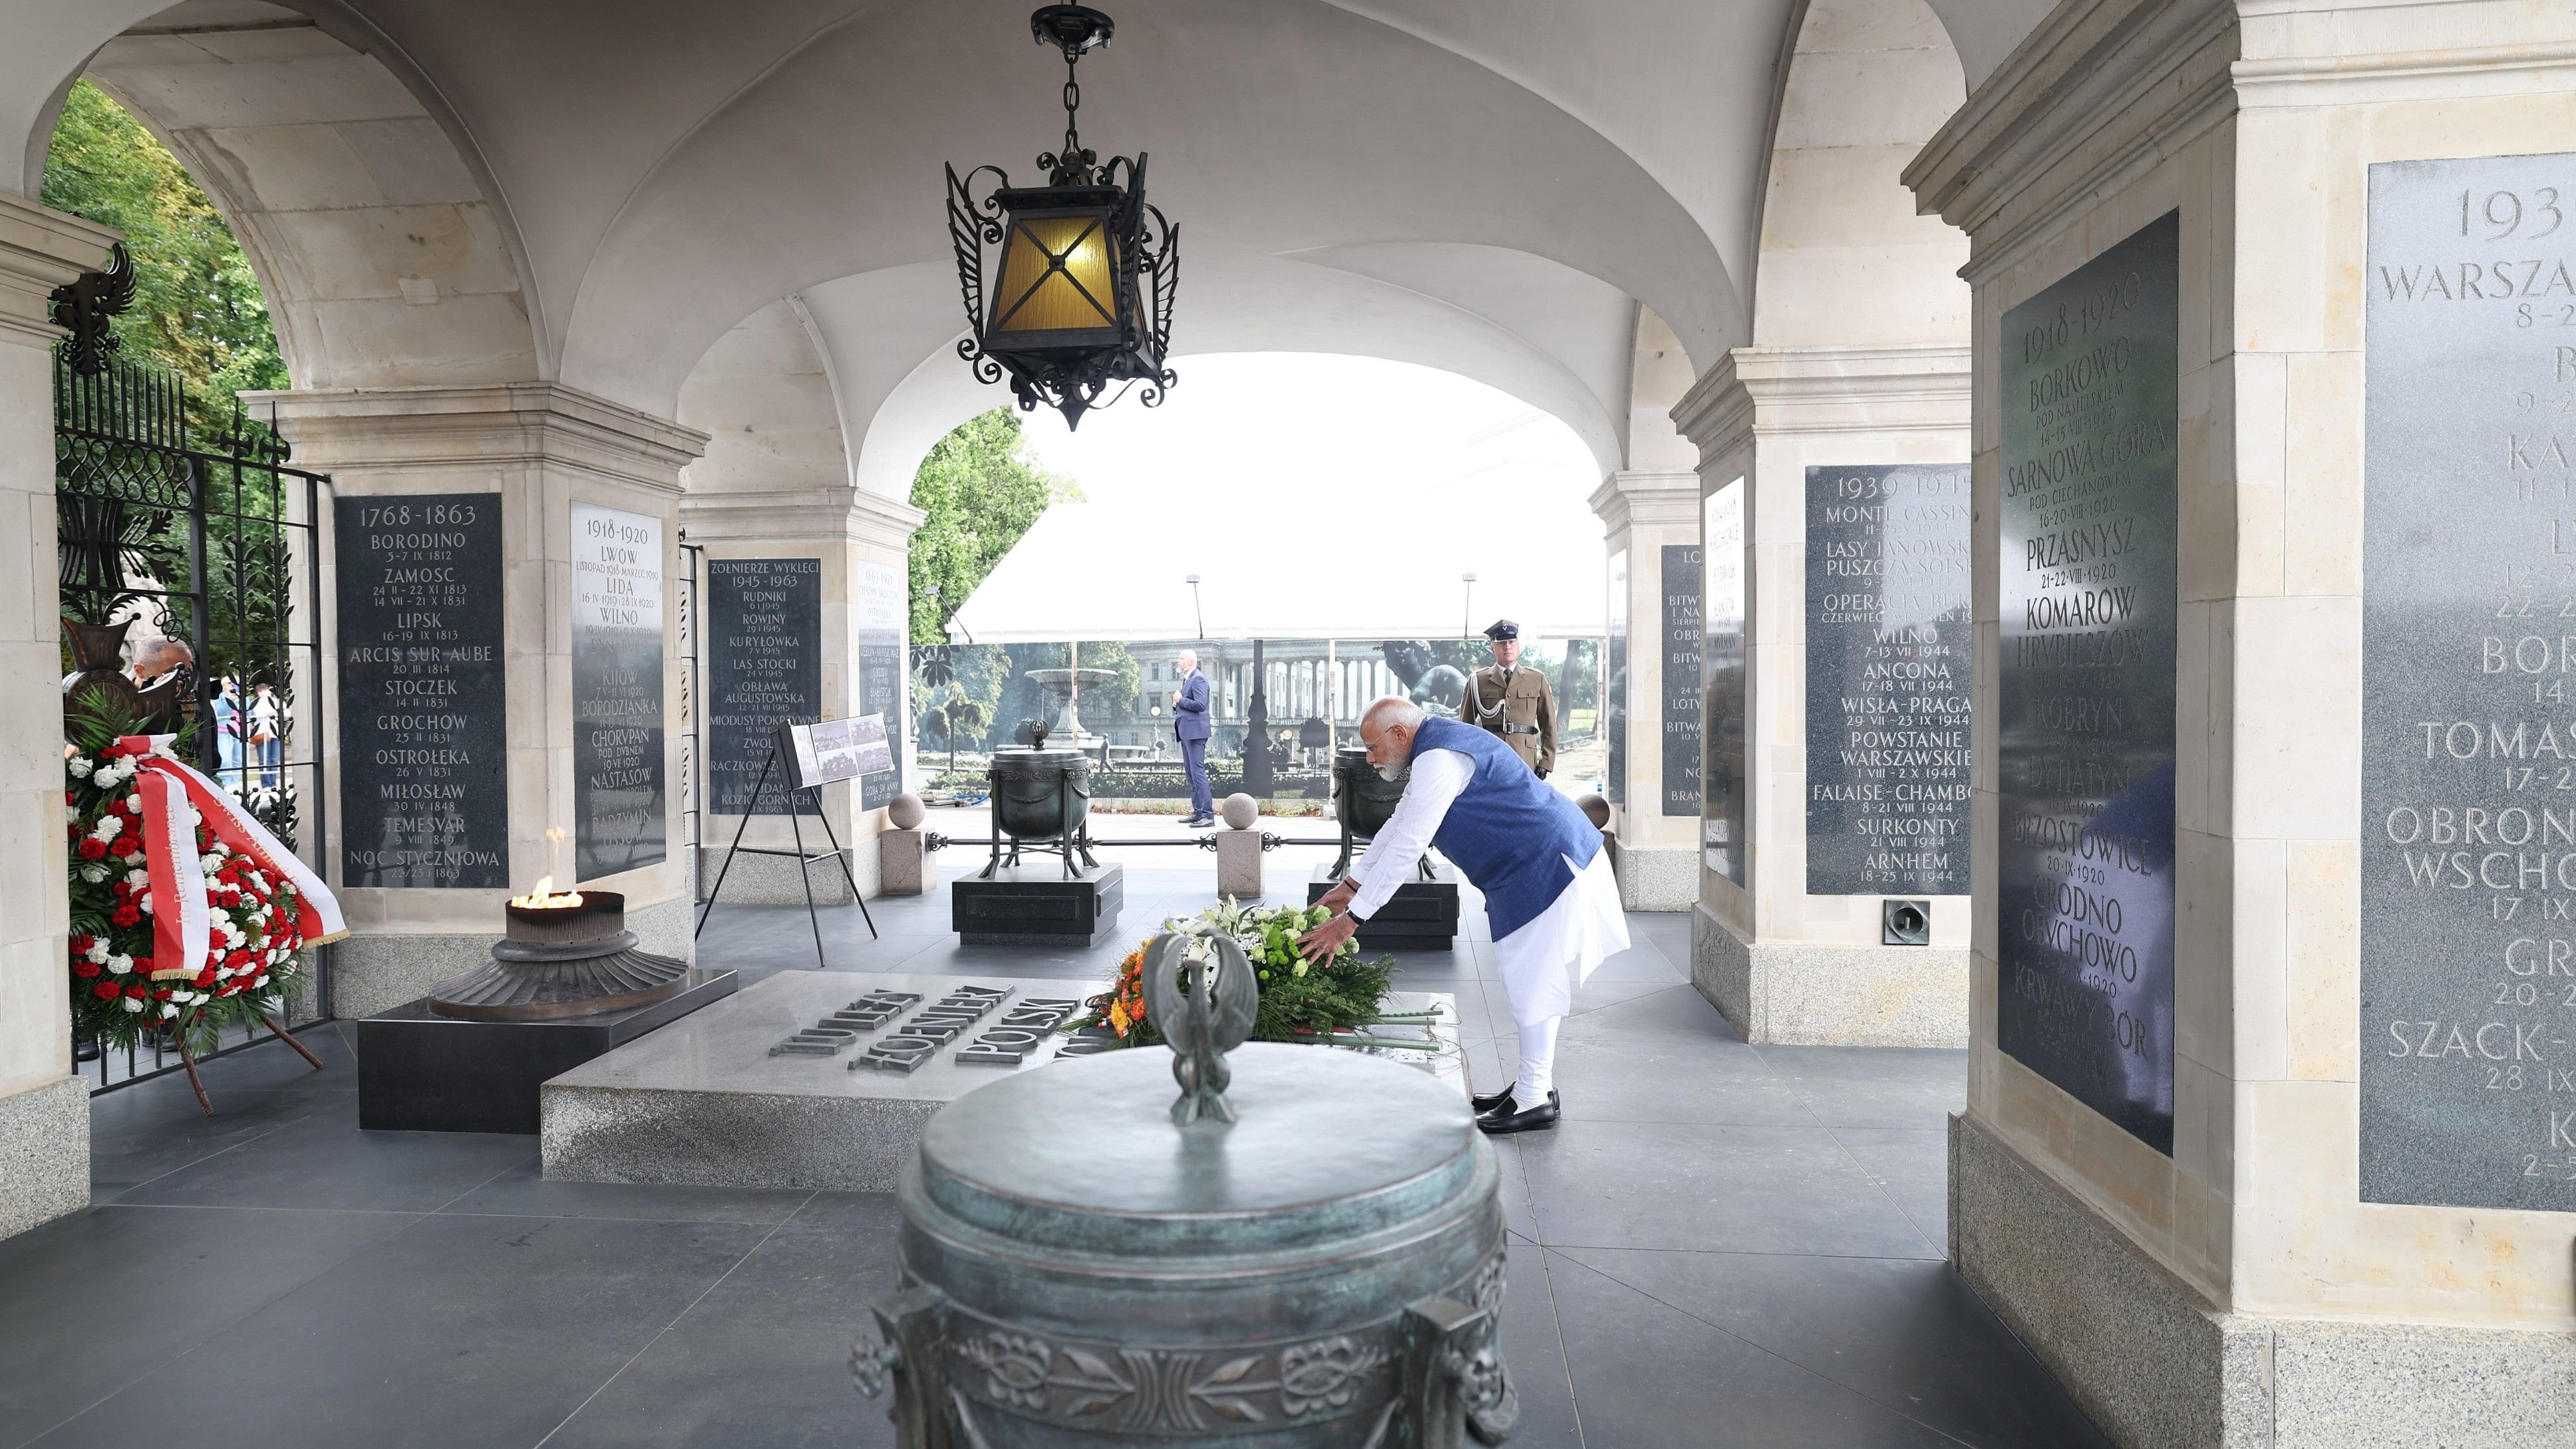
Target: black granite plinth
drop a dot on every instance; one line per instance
(420, 1072)
(1035, 904)
(1422, 915)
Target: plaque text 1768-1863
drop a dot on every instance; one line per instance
(764, 669)
(424, 796)
(2085, 831)
(2468, 838)
(1889, 635)
(618, 775)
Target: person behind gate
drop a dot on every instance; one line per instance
(1549, 893)
(1190, 727)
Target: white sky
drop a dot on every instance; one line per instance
(1287, 478)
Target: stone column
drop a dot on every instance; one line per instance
(44, 1109)
(1651, 516)
(2235, 1163)
(858, 542)
(1797, 952)
(540, 456)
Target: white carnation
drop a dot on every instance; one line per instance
(118, 964)
(97, 950)
(169, 1010)
(144, 903)
(107, 829)
(80, 766)
(94, 874)
(133, 1005)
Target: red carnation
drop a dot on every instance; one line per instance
(126, 915)
(161, 993)
(126, 845)
(143, 964)
(205, 977)
(92, 848)
(104, 991)
(137, 991)
(80, 943)
(86, 969)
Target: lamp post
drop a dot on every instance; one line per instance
(1467, 607)
(1081, 270)
(1196, 607)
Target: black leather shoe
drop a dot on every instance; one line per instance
(1503, 1119)
(1483, 1105)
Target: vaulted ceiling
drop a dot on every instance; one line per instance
(1494, 186)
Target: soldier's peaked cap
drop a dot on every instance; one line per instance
(1502, 629)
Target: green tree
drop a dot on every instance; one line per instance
(982, 493)
(197, 307)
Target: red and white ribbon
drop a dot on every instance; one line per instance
(175, 799)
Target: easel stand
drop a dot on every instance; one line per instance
(804, 862)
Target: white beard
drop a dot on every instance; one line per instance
(1389, 773)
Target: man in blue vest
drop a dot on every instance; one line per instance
(1549, 893)
(1190, 727)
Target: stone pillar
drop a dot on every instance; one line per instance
(857, 541)
(44, 1109)
(2256, 1183)
(1651, 517)
(541, 457)
(1797, 950)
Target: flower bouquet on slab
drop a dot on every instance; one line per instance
(187, 915)
(1336, 1001)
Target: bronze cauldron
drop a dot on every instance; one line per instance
(1041, 795)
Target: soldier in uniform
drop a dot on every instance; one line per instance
(1514, 703)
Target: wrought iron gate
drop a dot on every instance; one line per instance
(201, 535)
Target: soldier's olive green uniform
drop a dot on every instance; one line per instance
(1521, 709)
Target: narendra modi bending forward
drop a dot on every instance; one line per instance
(1549, 893)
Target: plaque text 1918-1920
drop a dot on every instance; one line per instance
(1889, 637)
(1725, 842)
(2468, 822)
(618, 771)
(423, 779)
(2084, 922)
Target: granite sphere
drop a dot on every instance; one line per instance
(904, 811)
(1241, 810)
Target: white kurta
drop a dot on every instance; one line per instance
(1554, 951)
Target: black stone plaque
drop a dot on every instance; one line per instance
(2468, 819)
(1726, 844)
(424, 780)
(764, 668)
(618, 800)
(2084, 869)
(1614, 675)
(883, 597)
(1681, 679)
(1889, 636)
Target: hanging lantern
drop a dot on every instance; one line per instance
(1068, 286)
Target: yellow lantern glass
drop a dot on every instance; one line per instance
(1059, 274)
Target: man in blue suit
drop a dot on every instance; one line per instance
(1190, 726)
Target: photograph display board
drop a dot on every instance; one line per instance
(1681, 679)
(1726, 841)
(424, 778)
(2468, 766)
(764, 668)
(617, 726)
(2085, 836)
(1889, 635)
(830, 751)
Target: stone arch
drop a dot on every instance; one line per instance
(376, 233)
(1844, 259)
(764, 396)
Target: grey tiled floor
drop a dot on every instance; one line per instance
(1723, 1245)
